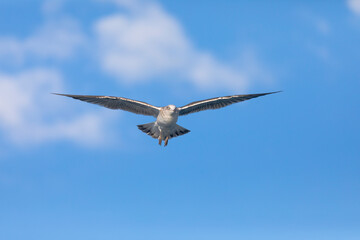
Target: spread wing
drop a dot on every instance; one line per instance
(215, 103)
(118, 103)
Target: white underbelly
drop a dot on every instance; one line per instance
(166, 121)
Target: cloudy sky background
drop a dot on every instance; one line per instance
(277, 167)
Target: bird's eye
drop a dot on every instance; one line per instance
(167, 107)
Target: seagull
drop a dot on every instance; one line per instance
(165, 127)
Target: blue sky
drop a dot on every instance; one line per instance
(284, 166)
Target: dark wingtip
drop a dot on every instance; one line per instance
(60, 94)
(274, 92)
(263, 94)
(65, 95)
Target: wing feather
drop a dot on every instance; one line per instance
(125, 104)
(215, 103)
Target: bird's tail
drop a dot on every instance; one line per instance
(153, 130)
(150, 129)
(178, 131)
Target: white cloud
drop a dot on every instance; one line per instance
(30, 114)
(54, 40)
(354, 6)
(130, 4)
(137, 47)
(208, 73)
(146, 42)
(50, 7)
(11, 51)
(323, 26)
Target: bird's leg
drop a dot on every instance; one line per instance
(160, 137)
(166, 141)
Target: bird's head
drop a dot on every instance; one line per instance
(171, 109)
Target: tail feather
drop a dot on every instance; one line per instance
(153, 130)
(178, 131)
(150, 129)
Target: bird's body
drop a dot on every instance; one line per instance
(165, 127)
(168, 116)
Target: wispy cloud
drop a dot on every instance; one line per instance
(54, 40)
(146, 42)
(322, 30)
(51, 7)
(354, 5)
(323, 26)
(29, 114)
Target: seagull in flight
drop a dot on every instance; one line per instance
(165, 127)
